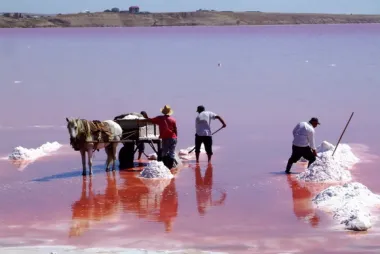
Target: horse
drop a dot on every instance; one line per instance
(82, 132)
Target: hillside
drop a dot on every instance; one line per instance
(200, 18)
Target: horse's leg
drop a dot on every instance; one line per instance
(83, 155)
(114, 147)
(108, 152)
(89, 153)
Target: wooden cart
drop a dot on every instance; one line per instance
(135, 132)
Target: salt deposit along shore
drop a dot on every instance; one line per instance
(22, 153)
(21, 157)
(350, 203)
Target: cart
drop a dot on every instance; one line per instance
(135, 132)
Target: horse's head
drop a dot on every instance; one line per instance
(72, 127)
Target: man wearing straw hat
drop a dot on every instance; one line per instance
(168, 133)
(303, 143)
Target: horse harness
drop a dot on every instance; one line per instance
(100, 131)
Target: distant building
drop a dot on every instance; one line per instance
(18, 15)
(134, 9)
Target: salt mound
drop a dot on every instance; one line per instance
(330, 169)
(350, 204)
(187, 150)
(21, 153)
(156, 169)
(132, 117)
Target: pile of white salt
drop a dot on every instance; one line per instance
(156, 169)
(133, 116)
(21, 153)
(328, 168)
(350, 204)
(184, 153)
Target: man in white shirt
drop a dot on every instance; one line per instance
(303, 143)
(203, 131)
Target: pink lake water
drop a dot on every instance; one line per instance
(270, 78)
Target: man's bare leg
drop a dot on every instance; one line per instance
(209, 158)
(197, 157)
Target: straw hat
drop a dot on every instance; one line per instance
(167, 110)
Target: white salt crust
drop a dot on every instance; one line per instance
(132, 117)
(327, 168)
(156, 169)
(350, 204)
(21, 153)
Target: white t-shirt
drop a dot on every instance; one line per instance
(202, 123)
(303, 135)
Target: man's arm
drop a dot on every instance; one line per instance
(221, 120)
(310, 136)
(147, 120)
(175, 130)
(295, 130)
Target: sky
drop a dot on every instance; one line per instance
(306, 6)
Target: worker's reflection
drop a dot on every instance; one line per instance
(302, 205)
(169, 206)
(203, 189)
(151, 199)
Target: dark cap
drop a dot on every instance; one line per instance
(200, 108)
(314, 119)
(144, 114)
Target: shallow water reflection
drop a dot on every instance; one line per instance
(302, 204)
(150, 199)
(204, 190)
(153, 200)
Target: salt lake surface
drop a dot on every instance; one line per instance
(270, 78)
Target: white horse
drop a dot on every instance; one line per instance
(82, 132)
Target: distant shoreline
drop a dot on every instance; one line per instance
(197, 18)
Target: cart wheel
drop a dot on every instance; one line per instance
(126, 156)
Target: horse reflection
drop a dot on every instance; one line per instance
(151, 199)
(302, 205)
(204, 188)
(91, 208)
